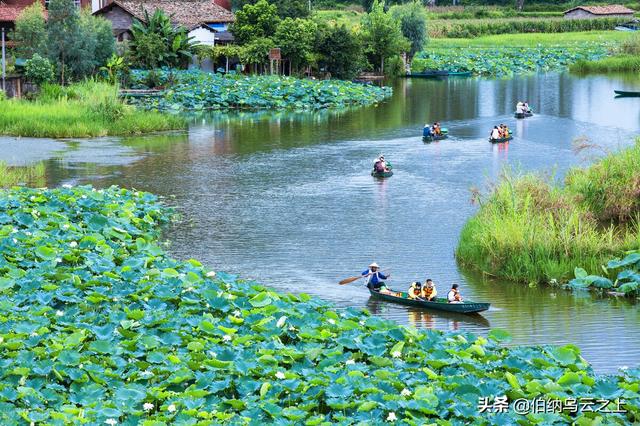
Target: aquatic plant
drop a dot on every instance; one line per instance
(529, 229)
(506, 61)
(86, 109)
(622, 64)
(196, 90)
(33, 175)
(100, 326)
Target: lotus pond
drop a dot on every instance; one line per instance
(197, 91)
(100, 326)
(501, 62)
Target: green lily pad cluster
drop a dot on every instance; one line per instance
(626, 272)
(503, 62)
(98, 325)
(195, 90)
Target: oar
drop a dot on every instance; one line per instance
(352, 279)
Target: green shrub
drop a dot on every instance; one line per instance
(39, 70)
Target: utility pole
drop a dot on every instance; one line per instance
(4, 63)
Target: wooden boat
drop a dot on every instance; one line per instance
(459, 74)
(440, 304)
(381, 174)
(434, 138)
(501, 140)
(438, 74)
(427, 136)
(523, 114)
(627, 94)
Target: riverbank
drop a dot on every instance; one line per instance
(509, 54)
(530, 230)
(623, 59)
(197, 91)
(93, 289)
(88, 109)
(32, 175)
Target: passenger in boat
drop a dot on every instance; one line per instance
(376, 278)
(525, 107)
(380, 166)
(495, 133)
(429, 291)
(436, 129)
(428, 131)
(454, 295)
(415, 291)
(505, 131)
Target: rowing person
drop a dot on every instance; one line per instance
(495, 133)
(375, 280)
(454, 295)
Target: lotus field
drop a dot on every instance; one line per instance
(100, 326)
(196, 91)
(503, 62)
(625, 271)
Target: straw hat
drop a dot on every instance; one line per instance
(374, 265)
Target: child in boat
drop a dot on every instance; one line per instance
(506, 131)
(429, 291)
(415, 291)
(454, 295)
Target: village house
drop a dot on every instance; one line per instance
(207, 20)
(10, 10)
(591, 12)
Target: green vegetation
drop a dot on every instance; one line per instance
(574, 39)
(31, 175)
(196, 90)
(86, 109)
(116, 331)
(529, 230)
(625, 59)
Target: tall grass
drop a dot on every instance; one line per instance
(534, 40)
(33, 175)
(529, 229)
(86, 109)
(607, 65)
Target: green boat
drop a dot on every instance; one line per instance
(381, 174)
(523, 114)
(439, 304)
(433, 138)
(627, 94)
(501, 140)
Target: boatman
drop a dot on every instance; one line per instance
(376, 278)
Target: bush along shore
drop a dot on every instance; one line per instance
(530, 230)
(86, 109)
(100, 326)
(197, 90)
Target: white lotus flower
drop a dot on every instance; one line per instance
(14, 231)
(147, 406)
(331, 321)
(81, 366)
(34, 334)
(280, 375)
(392, 417)
(281, 321)
(65, 226)
(58, 260)
(405, 392)
(15, 241)
(350, 362)
(66, 185)
(237, 313)
(361, 322)
(396, 354)
(212, 354)
(146, 374)
(32, 198)
(211, 274)
(624, 367)
(59, 313)
(1, 339)
(73, 244)
(226, 338)
(171, 408)
(111, 422)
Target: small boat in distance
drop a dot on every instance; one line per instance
(382, 174)
(500, 140)
(440, 304)
(523, 114)
(626, 94)
(428, 136)
(438, 74)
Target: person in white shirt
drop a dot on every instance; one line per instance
(454, 295)
(519, 108)
(495, 133)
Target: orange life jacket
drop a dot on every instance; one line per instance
(427, 292)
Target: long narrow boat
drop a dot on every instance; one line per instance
(501, 140)
(438, 74)
(523, 114)
(381, 174)
(438, 303)
(627, 94)
(434, 138)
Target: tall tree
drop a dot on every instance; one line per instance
(381, 34)
(340, 51)
(413, 24)
(286, 8)
(295, 38)
(63, 35)
(255, 21)
(30, 33)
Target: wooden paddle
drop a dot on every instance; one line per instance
(352, 279)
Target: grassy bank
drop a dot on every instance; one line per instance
(196, 91)
(31, 175)
(117, 332)
(530, 230)
(626, 58)
(87, 109)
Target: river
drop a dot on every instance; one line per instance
(287, 199)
